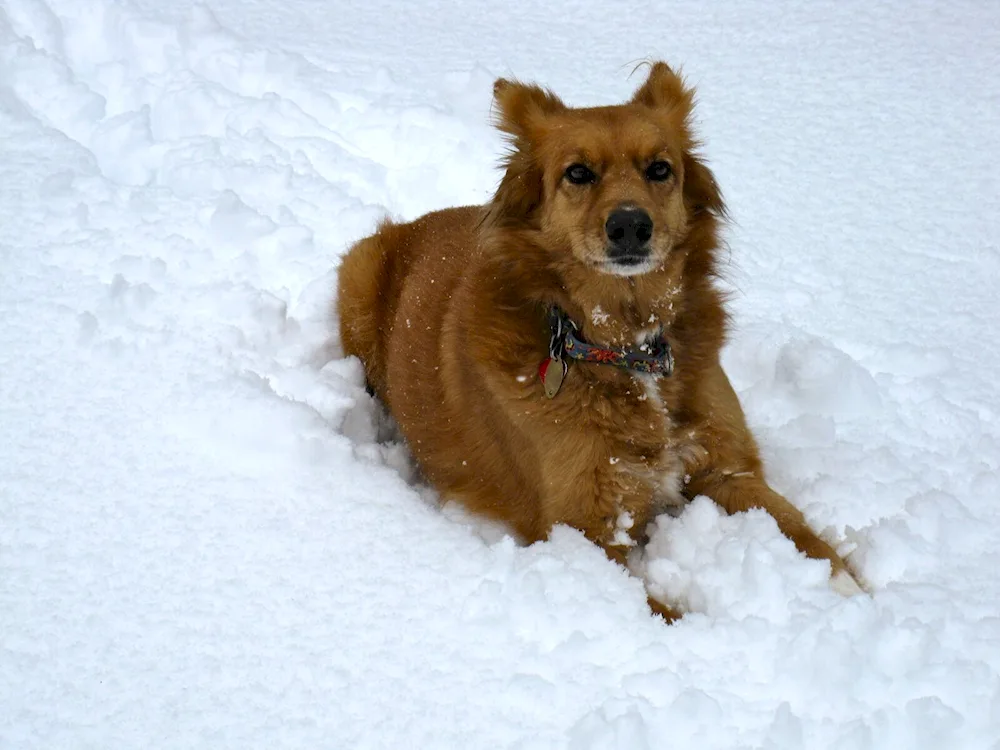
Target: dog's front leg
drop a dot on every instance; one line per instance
(618, 553)
(726, 467)
(736, 493)
(609, 504)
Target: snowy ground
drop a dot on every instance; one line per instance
(206, 540)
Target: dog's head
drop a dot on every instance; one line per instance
(618, 187)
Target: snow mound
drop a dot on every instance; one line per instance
(741, 566)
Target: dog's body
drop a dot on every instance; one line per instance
(605, 214)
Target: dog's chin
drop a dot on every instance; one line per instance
(627, 266)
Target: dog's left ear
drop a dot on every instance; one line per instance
(664, 88)
(701, 191)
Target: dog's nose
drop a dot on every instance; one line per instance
(629, 229)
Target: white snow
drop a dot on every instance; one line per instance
(210, 536)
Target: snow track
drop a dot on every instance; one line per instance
(206, 538)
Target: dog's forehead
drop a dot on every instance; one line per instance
(609, 133)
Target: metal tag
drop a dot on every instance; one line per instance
(552, 371)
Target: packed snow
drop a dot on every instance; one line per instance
(212, 537)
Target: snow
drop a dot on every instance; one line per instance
(212, 537)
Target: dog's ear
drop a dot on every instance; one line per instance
(520, 111)
(664, 88)
(520, 105)
(701, 191)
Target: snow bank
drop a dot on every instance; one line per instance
(211, 537)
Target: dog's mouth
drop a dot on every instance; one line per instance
(629, 264)
(629, 259)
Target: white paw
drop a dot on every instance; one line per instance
(845, 585)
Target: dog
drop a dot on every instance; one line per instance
(553, 356)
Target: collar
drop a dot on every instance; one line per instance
(654, 358)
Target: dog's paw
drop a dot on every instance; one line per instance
(665, 611)
(844, 584)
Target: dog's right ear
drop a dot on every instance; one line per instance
(521, 105)
(520, 111)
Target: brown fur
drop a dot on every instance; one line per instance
(448, 314)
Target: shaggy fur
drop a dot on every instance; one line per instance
(448, 314)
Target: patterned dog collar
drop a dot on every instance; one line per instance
(654, 358)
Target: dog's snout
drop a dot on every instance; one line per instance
(629, 229)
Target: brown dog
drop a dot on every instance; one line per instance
(595, 258)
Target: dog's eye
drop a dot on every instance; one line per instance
(578, 174)
(658, 171)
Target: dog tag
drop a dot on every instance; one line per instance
(551, 372)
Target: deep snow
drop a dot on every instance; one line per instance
(210, 537)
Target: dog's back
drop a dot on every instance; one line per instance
(378, 271)
(407, 298)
